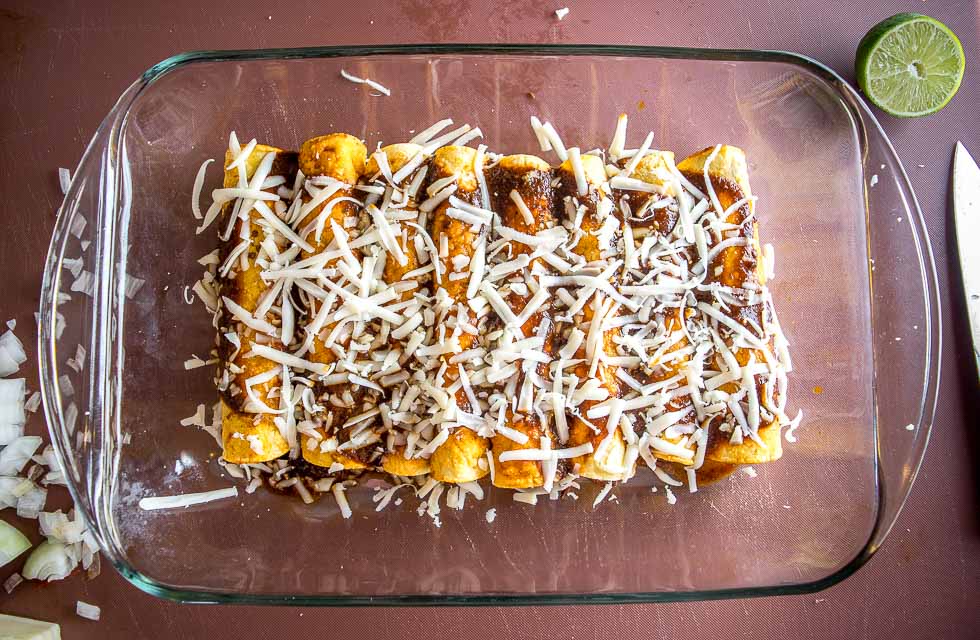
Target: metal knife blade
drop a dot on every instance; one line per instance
(966, 213)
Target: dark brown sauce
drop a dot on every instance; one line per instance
(534, 186)
(567, 188)
(661, 220)
(740, 263)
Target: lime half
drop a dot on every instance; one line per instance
(910, 65)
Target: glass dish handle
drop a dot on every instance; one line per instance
(77, 329)
(907, 337)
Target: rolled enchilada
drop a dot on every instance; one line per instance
(394, 460)
(705, 408)
(521, 193)
(583, 198)
(333, 164)
(249, 432)
(461, 458)
(740, 267)
(672, 360)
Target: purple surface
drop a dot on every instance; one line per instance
(62, 68)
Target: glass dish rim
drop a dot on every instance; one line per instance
(857, 109)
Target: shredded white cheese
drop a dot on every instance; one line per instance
(371, 83)
(187, 499)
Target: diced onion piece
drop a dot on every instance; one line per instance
(12, 583)
(64, 179)
(10, 432)
(49, 561)
(8, 486)
(78, 224)
(12, 543)
(194, 363)
(133, 285)
(85, 283)
(87, 611)
(74, 265)
(16, 454)
(12, 354)
(30, 504)
(15, 628)
(196, 420)
(12, 416)
(55, 525)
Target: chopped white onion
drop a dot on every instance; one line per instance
(15, 455)
(10, 584)
(87, 611)
(12, 354)
(12, 542)
(15, 628)
(30, 504)
(49, 561)
(64, 179)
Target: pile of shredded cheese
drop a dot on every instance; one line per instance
(674, 328)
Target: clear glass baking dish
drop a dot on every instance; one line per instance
(855, 287)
